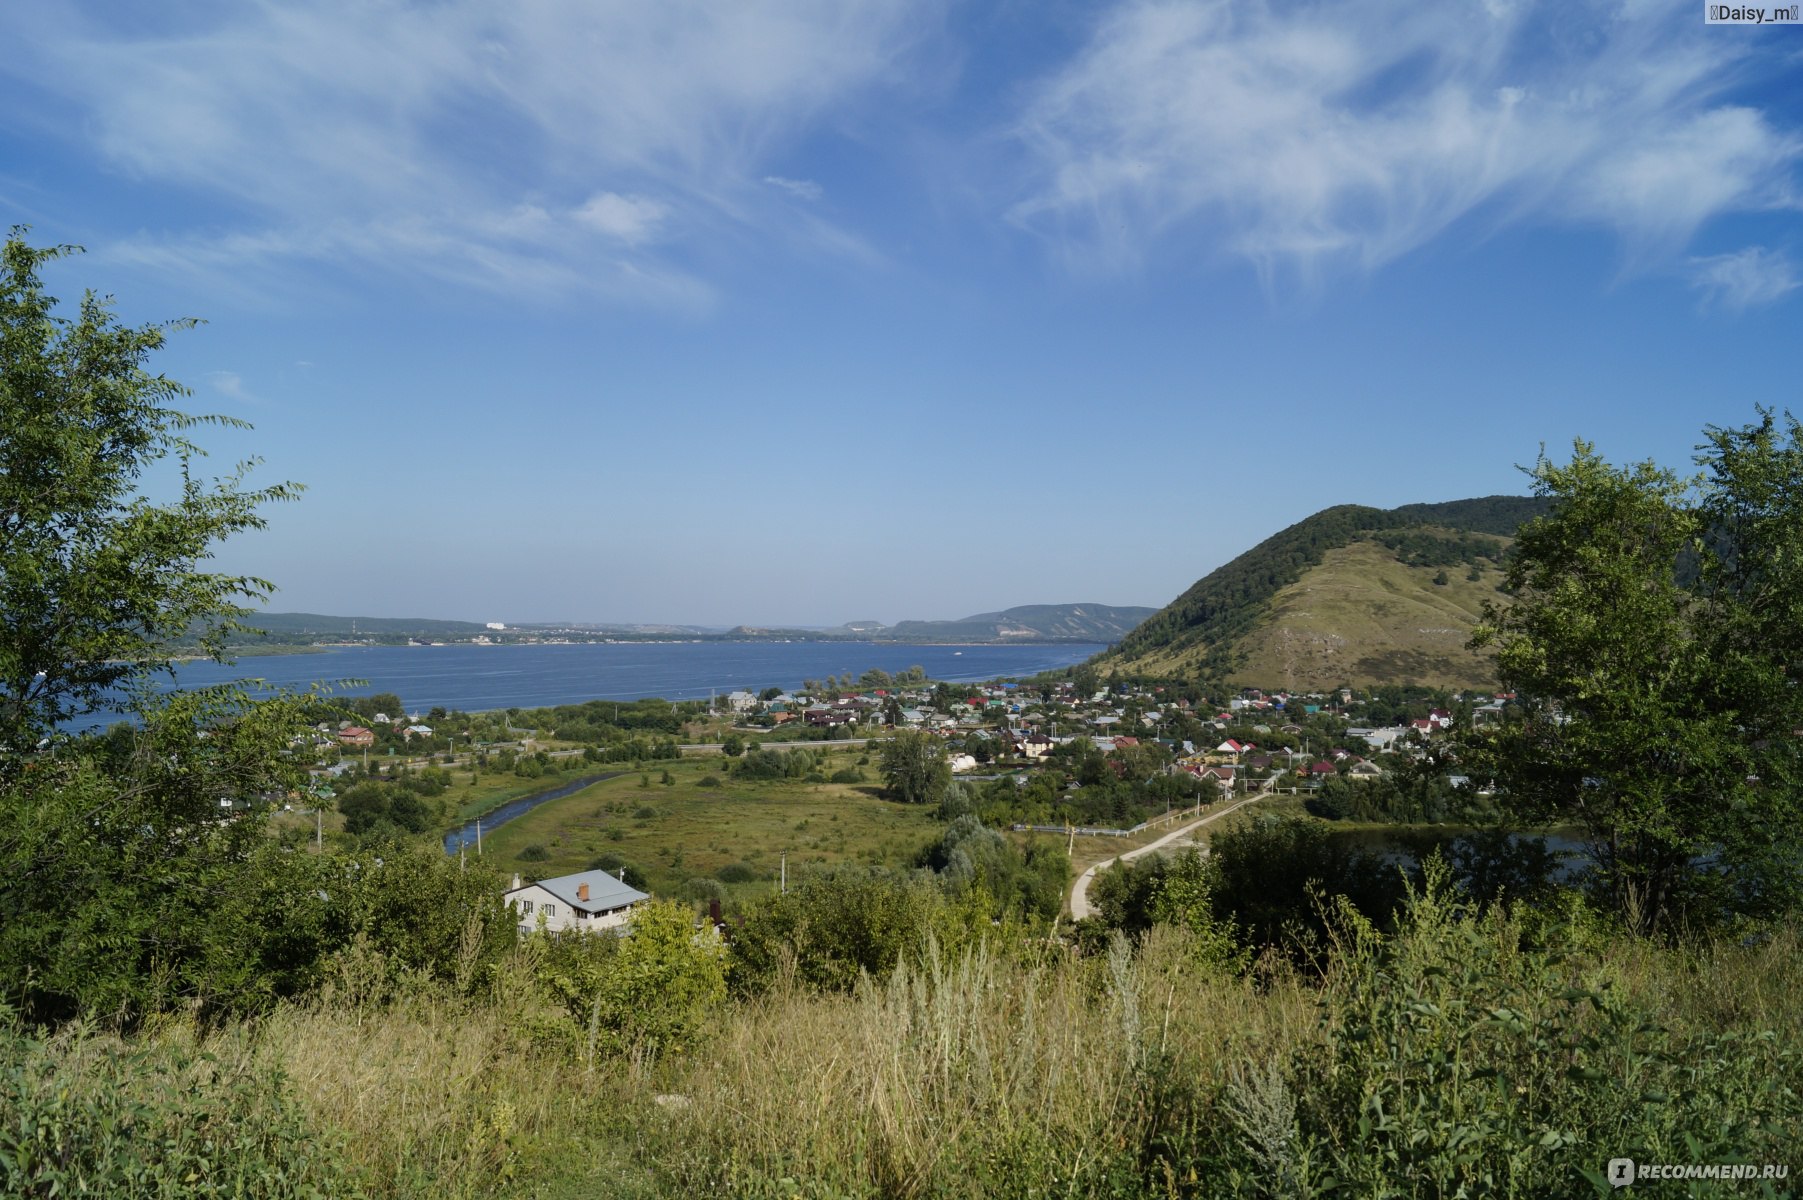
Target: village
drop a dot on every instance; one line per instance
(1298, 740)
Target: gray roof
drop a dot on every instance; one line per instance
(604, 890)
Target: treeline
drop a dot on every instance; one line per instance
(1261, 887)
(1429, 548)
(1080, 785)
(606, 720)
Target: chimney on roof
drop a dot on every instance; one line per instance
(516, 884)
(582, 891)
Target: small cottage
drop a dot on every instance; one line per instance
(587, 900)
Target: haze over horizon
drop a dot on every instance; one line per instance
(793, 313)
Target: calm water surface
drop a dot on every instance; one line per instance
(474, 678)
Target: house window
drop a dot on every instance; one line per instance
(550, 910)
(526, 907)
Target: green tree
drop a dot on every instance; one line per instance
(659, 987)
(115, 852)
(1654, 634)
(97, 580)
(732, 745)
(914, 767)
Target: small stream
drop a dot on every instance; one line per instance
(494, 819)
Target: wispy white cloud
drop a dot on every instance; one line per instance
(630, 219)
(1745, 279)
(1346, 133)
(466, 140)
(231, 385)
(801, 189)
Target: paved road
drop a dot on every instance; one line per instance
(1080, 906)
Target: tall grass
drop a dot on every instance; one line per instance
(1468, 1054)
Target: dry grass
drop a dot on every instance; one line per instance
(946, 1078)
(1359, 617)
(1015, 1069)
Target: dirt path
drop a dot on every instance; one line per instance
(1080, 906)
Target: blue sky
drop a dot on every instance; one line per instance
(793, 311)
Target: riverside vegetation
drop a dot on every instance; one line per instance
(190, 1007)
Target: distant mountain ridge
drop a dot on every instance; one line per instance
(321, 625)
(1027, 623)
(1351, 595)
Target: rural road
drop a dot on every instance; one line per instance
(1080, 906)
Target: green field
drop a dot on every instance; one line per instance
(673, 833)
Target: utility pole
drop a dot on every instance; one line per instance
(478, 837)
(785, 874)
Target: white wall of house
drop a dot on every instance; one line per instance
(532, 903)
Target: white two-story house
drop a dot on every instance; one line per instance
(587, 900)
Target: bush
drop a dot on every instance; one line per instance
(737, 873)
(614, 865)
(664, 981)
(87, 1116)
(645, 812)
(709, 781)
(1462, 1061)
(533, 853)
(775, 764)
(848, 775)
(701, 890)
(836, 925)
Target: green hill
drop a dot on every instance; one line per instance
(1351, 595)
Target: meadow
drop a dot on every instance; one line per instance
(705, 824)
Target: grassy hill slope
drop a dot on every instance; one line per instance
(1364, 577)
(1363, 617)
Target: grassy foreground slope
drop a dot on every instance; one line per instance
(1465, 1054)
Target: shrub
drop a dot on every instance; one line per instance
(1460, 1060)
(700, 889)
(737, 873)
(615, 865)
(709, 781)
(534, 853)
(90, 1116)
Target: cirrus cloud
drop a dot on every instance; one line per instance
(460, 140)
(1342, 135)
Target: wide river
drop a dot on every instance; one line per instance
(474, 678)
